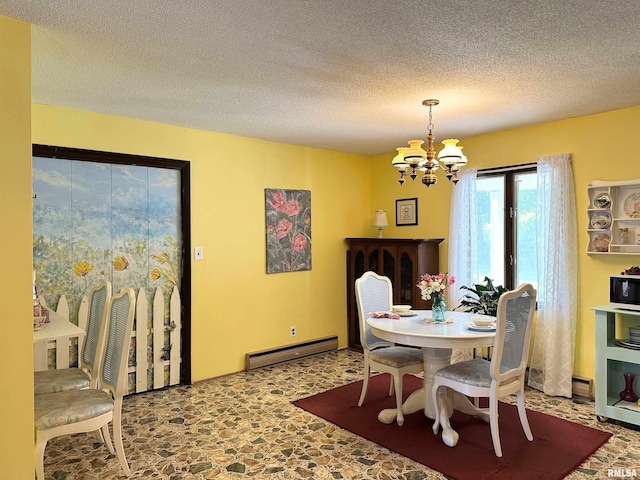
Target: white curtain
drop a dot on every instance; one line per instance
(552, 358)
(463, 237)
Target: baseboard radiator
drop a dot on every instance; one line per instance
(581, 387)
(290, 352)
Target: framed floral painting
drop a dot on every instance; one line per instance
(288, 224)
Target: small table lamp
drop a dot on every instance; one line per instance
(380, 220)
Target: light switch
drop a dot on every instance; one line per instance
(197, 253)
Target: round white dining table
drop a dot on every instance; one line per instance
(436, 340)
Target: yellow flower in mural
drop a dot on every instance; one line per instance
(169, 274)
(155, 274)
(82, 268)
(120, 263)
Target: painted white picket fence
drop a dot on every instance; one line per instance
(151, 351)
(164, 355)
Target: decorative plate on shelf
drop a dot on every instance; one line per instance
(602, 200)
(627, 344)
(601, 221)
(631, 205)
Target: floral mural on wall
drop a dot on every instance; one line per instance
(288, 222)
(95, 222)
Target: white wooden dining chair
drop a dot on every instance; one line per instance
(503, 375)
(374, 293)
(91, 352)
(76, 411)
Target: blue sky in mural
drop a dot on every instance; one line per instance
(123, 221)
(78, 197)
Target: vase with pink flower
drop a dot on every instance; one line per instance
(433, 287)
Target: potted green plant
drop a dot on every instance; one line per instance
(482, 299)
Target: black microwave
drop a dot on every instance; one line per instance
(624, 291)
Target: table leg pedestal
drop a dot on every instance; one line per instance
(413, 404)
(434, 360)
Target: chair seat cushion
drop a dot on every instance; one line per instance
(56, 409)
(397, 357)
(50, 381)
(472, 372)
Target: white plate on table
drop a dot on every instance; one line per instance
(476, 328)
(410, 313)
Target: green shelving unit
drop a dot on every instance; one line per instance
(612, 362)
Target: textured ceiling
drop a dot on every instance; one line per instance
(346, 75)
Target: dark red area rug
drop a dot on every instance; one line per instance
(558, 446)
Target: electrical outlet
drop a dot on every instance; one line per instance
(293, 331)
(197, 253)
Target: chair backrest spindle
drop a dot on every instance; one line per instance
(373, 293)
(514, 321)
(114, 367)
(90, 357)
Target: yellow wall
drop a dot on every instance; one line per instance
(603, 147)
(16, 352)
(236, 307)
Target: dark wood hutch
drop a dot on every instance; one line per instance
(403, 260)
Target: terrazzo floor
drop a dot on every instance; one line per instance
(244, 426)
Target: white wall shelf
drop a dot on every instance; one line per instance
(614, 217)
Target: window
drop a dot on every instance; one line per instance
(506, 206)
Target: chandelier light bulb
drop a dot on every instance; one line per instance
(450, 155)
(398, 161)
(415, 154)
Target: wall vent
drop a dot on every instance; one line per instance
(290, 352)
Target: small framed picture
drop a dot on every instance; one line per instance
(406, 211)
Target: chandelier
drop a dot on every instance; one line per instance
(414, 158)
